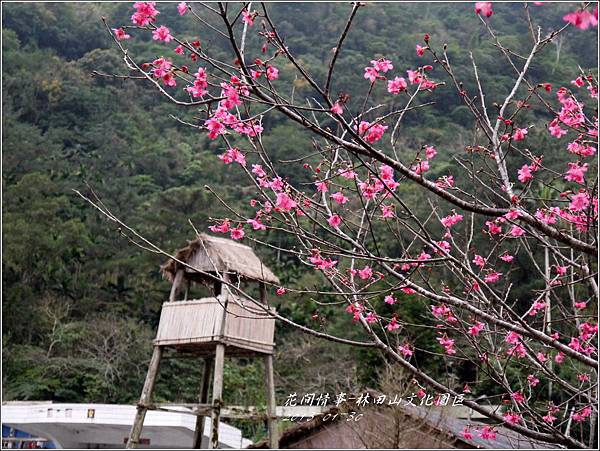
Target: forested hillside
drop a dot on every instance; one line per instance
(80, 303)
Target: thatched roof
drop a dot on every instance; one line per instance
(209, 254)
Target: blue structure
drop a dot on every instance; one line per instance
(8, 432)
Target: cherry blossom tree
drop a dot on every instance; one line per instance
(535, 216)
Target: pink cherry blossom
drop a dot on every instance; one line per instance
(493, 227)
(440, 311)
(248, 17)
(476, 329)
(339, 198)
(145, 13)
(347, 174)
(512, 417)
(272, 73)
(256, 224)
(371, 132)
(405, 350)
(448, 344)
(420, 50)
(517, 351)
(536, 307)
(512, 214)
(389, 299)
(215, 128)
(161, 67)
(276, 184)
(169, 79)
(421, 167)
(371, 74)
(393, 325)
(547, 216)
(479, 261)
(258, 170)
(322, 263)
(583, 377)
(517, 231)
(334, 221)
(587, 330)
(579, 82)
(222, 228)
(576, 173)
(444, 245)
(182, 8)
(582, 19)
(232, 99)
(237, 233)
(382, 65)
(513, 338)
(579, 202)
(355, 309)
(322, 187)
(162, 33)
(386, 172)
(533, 381)
(549, 418)
(524, 174)
(387, 211)
(484, 8)
(581, 415)
(507, 258)
(520, 134)
(581, 149)
(430, 152)
(518, 397)
(561, 270)
(423, 256)
(555, 130)
(450, 220)
(280, 291)
(232, 155)
(120, 34)
(492, 277)
(200, 83)
(445, 182)
(370, 318)
(365, 273)
(285, 202)
(397, 85)
(337, 108)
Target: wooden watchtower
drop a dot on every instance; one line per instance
(226, 324)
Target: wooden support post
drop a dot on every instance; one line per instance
(175, 286)
(271, 405)
(188, 284)
(217, 287)
(203, 399)
(145, 398)
(217, 396)
(263, 293)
